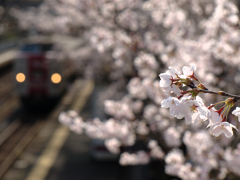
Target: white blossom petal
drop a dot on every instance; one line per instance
(188, 71)
(165, 80)
(223, 127)
(236, 112)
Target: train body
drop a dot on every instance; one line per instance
(39, 74)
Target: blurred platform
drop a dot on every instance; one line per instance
(7, 57)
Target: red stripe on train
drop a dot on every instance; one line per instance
(37, 74)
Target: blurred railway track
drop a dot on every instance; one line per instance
(18, 134)
(15, 138)
(15, 135)
(9, 106)
(8, 96)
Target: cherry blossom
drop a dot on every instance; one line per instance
(142, 128)
(113, 145)
(167, 80)
(173, 104)
(236, 112)
(172, 137)
(156, 151)
(140, 157)
(175, 156)
(174, 160)
(189, 71)
(232, 158)
(194, 110)
(214, 118)
(118, 109)
(223, 127)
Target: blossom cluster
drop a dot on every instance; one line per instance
(190, 106)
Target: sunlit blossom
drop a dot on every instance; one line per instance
(194, 110)
(236, 112)
(173, 104)
(223, 127)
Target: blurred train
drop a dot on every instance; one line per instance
(39, 72)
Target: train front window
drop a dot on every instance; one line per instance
(30, 48)
(37, 47)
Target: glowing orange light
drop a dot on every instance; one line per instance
(20, 77)
(56, 78)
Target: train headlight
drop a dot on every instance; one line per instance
(56, 78)
(20, 77)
